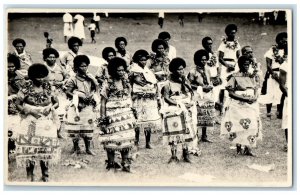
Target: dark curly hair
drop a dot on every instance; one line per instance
(139, 54)
(78, 60)
(230, 27)
(37, 70)
(205, 39)
(176, 63)
(164, 35)
(18, 40)
(158, 42)
(48, 51)
(113, 64)
(15, 60)
(198, 56)
(242, 60)
(118, 40)
(280, 36)
(106, 51)
(73, 40)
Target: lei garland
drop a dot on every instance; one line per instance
(230, 46)
(212, 61)
(276, 55)
(39, 97)
(162, 61)
(115, 92)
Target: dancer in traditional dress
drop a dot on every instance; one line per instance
(144, 97)
(275, 56)
(108, 53)
(159, 64)
(179, 112)
(159, 61)
(37, 135)
(171, 50)
(255, 67)
(57, 78)
(67, 60)
(81, 114)
(241, 123)
(22, 54)
(199, 78)
(229, 52)
(121, 44)
(117, 119)
(213, 67)
(15, 83)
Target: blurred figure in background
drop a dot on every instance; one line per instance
(68, 26)
(92, 28)
(79, 27)
(96, 18)
(161, 17)
(180, 19)
(49, 40)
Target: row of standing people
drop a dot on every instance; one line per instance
(120, 91)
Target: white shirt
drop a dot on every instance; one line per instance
(172, 52)
(96, 18)
(92, 27)
(228, 52)
(269, 54)
(161, 14)
(67, 17)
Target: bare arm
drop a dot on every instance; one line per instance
(238, 54)
(269, 65)
(103, 107)
(221, 59)
(166, 95)
(235, 96)
(191, 78)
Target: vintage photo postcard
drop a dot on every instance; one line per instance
(128, 97)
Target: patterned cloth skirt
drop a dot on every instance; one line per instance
(119, 134)
(36, 139)
(147, 112)
(179, 126)
(241, 123)
(80, 124)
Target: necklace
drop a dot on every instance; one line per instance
(229, 45)
(278, 58)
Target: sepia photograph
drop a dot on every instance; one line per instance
(148, 97)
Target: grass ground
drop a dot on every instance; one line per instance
(151, 166)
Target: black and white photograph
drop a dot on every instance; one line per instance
(148, 97)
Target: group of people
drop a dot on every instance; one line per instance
(146, 91)
(79, 24)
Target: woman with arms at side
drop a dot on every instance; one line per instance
(241, 123)
(117, 121)
(37, 135)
